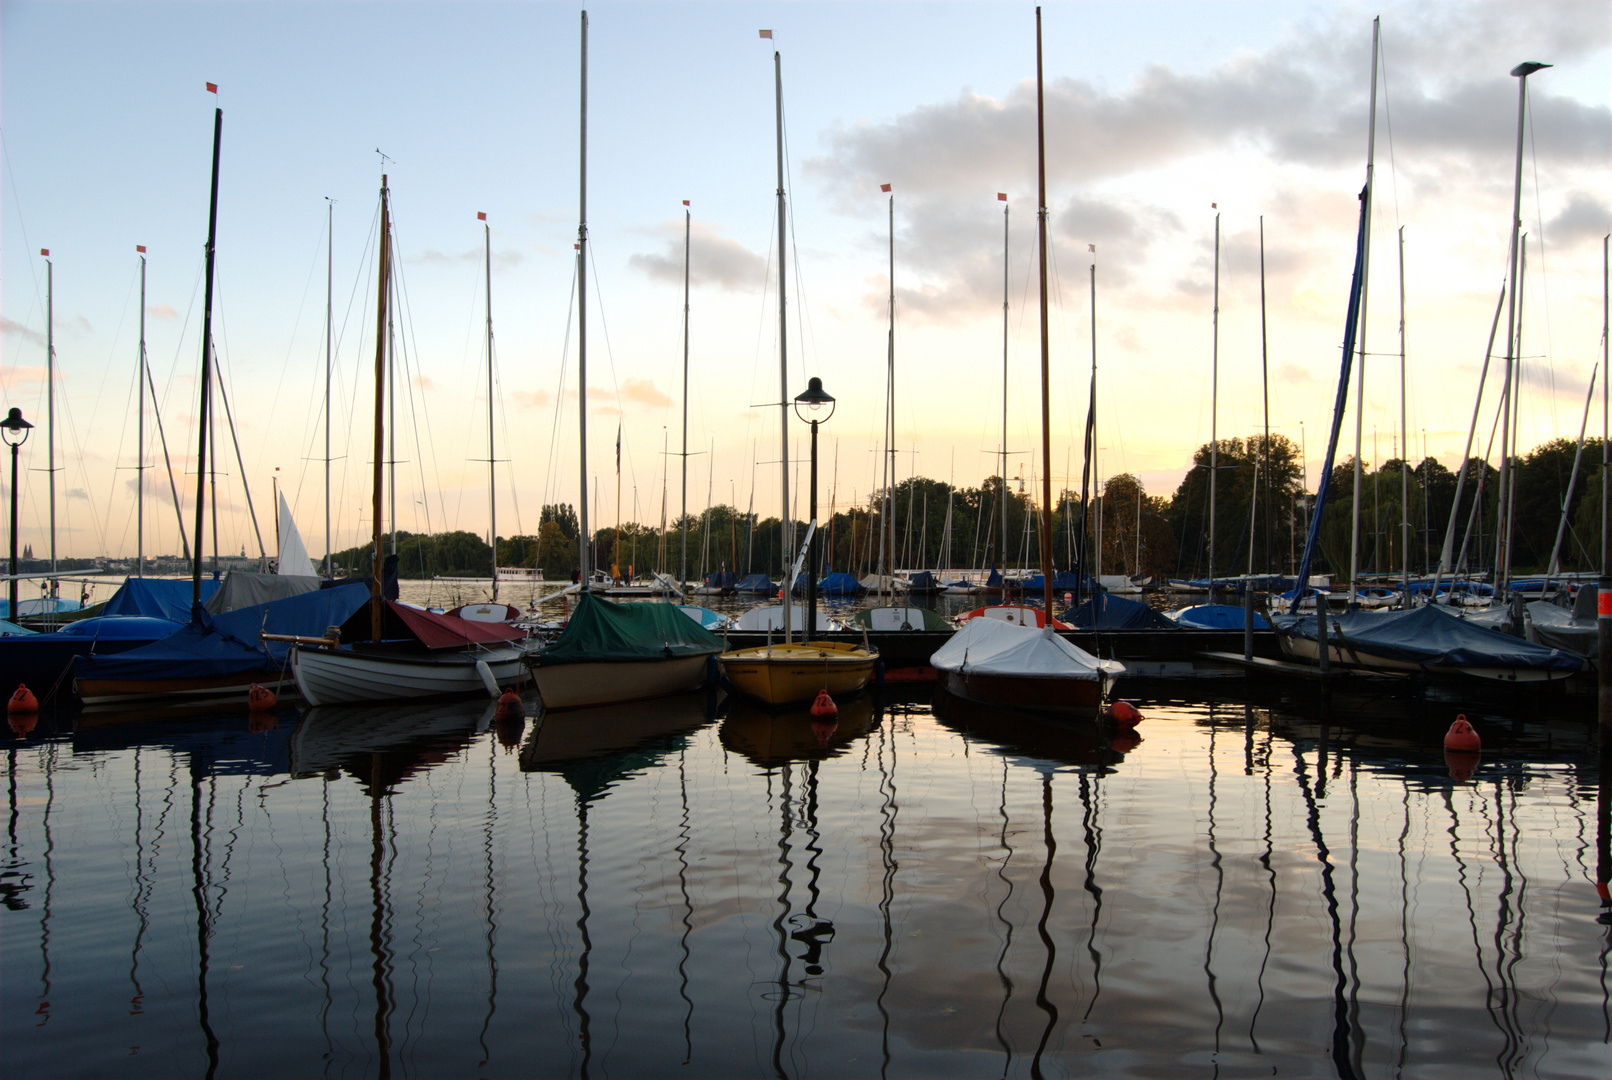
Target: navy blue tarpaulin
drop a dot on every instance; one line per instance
(839, 585)
(1433, 638)
(157, 598)
(1104, 611)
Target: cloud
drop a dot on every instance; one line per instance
(714, 259)
(162, 311)
(502, 260)
(642, 392)
(1585, 217)
(78, 493)
(22, 374)
(424, 382)
(28, 334)
(532, 399)
(1291, 374)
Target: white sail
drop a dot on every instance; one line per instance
(294, 561)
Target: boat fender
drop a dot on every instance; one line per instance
(487, 679)
(824, 705)
(1125, 714)
(1461, 737)
(260, 698)
(713, 670)
(22, 701)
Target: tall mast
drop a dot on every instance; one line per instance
(1265, 392)
(1046, 405)
(890, 408)
(1365, 291)
(330, 265)
(1214, 411)
(787, 535)
(50, 404)
(206, 376)
(1404, 433)
(492, 466)
(1606, 428)
(688, 218)
(1003, 542)
(140, 440)
(582, 314)
(378, 484)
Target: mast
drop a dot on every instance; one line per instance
(1046, 403)
(1214, 411)
(582, 315)
(140, 439)
(378, 485)
(787, 535)
(890, 411)
(1002, 195)
(492, 466)
(206, 379)
(1606, 428)
(50, 404)
(1265, 393)
(682, 574)
(330, 266)
(1404, 435)
(1365, 283)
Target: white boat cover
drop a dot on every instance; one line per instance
(771, 617)
(294, 561)
(885, 584)
(993, 647)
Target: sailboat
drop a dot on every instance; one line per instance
(794, 671)
(997, 662)
(609, 652)
(410, 653)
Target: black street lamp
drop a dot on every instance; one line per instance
(16, 433)
(813, 399)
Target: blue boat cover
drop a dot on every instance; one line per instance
(924, 582)
(1434, 638)
(158, 598)
(1218, 617)
(839, 585)
(722, 579)
(755, 583)
(994, 581)
(219, 645)
(1062, 581)
(1104, 611)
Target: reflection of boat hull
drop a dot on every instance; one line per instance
(329, 737)
(1048, 694)
(587, 733)
(343, 676)
(571, 686)
(1088, 741)
(770, 738)
(784, 674)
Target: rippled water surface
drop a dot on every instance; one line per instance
(699, 888)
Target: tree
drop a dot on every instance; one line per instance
(557, 553)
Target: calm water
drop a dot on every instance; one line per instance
(703, 889)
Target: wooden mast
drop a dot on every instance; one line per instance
(1046, 406)
(786, 536)
(492, 467)
(379, 485)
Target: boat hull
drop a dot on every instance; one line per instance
(1039, 694)
(100, 692)
(575, 686)
(344, 677)
(786, 674)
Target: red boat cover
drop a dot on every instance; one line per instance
(430, 629)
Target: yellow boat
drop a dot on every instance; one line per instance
(782, 674)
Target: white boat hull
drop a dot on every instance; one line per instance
(347, 676)
(572, 686)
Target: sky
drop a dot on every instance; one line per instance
(1159, 117)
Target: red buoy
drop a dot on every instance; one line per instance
(824, 705)
(260, 698)
(509, 706)
(22, 701)
(1461, 737)
(1124, 714)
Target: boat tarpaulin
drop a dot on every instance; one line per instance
(839, 585)
(755, 583)
(434, 631)
(1104, 611)
(156, 598)
(722, 579)
(994, 647)
(1432, 637)
(601, 631)
(1218, 617)
(217, 645)
(246, 588)
(923, 582)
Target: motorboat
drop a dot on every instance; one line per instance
(994, 662)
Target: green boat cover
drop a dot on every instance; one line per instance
(604, 632)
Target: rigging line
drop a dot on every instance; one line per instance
(550, 485)
(1388, 122)
(364, 276)
(410, 340)
(503, 417)
(123, 429)
(223, 392)
(302, 473)
(285, 365)
(22, 224)
(604, 325)
(1544, 278)
(802, 315)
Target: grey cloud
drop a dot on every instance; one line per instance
(16, 329)
(502, 260)
(79, 494)
(714, 259)
(1584, 217)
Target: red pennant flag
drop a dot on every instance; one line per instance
(576, 247)
(884, 187)
(480, 216)
(1001, 196)
(1214, 206)
(141, 248)
(685, 202)
(767, 34)
(45, 252)
(212, 88)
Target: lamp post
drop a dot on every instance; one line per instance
(16, 433)
(813, 399)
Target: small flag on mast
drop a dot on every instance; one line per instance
(45, 252)
(618, 449)
(1214, 206)
(1001, 196)
(480, 216)
(767, 34)
(884, 187)
(685, 202)
(212, 88)
(141, 248)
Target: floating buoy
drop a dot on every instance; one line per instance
(22, 701)
(1461, 737)
(260, 698)
(509, 706)
(824, 705)
(1125, 714)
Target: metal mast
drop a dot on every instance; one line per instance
(140, 441)
(206, 375)
(492, 464)
(1046, 404)
(330, 265)
(786, 539)
(1365, 282)
(1002, 543)
(582, 315)
(1214, 413)
(682, 573)
(382, 319)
